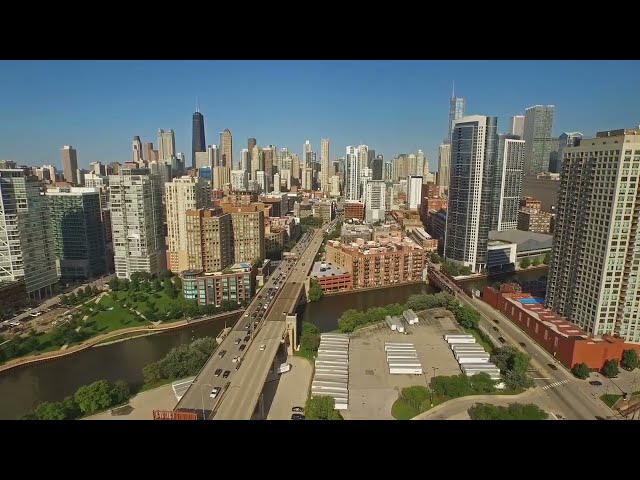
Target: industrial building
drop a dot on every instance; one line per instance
(331, 376)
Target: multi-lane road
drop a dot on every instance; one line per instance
(238, 368)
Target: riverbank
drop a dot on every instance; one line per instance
(471, 278)
(98, 341)
(368, 289)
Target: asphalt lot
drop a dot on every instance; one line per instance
(292, 389)
(372, 390)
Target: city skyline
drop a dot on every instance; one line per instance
(88, 104)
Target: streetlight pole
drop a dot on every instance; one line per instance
(202, 398)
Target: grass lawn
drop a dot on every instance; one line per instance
(151, 386)
(479, 339)
(110, 320)
(401, 410)
(610, 399)
(159, 299)
(306, 354)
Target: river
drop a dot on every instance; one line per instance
(22, 389)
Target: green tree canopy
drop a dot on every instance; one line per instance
(610, 369)
(94, 397)
(482, 383)
(581, 370)
(629, 359)
(525, 262)
(315, 291)
(515, 411)
(547, 259)
(310, 342)
(321, 407)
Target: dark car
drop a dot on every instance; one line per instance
(501, 339)
(297, 416)
(495, 328)
(226, 374)
(242, 347)
(297, 409)
(495, 321)
(595, 383)
(247, 338)
(238, 340)
(522, 344)
(217, 372)
(221, 354)
(552, 366)
(238, 365)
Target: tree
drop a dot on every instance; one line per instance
(94, 397)
(465, 316)
(151, 373)
(516, 379)
(581, 370)
(465, 270)
(415, 396)
(88, 291)
(525, 262)
(535, 262)
(178, 283)
(321, 407)
(515, 411)
(315, 292)
(610, 369)
(120, 392)
(50, 411)
(547, 259)
(72, 298)
(94, 290)
(629, 359)
(115, 284)
(310, 342)
(435, 258)
(308, 327)
(64, 300)
(518, 362)
(500, 357)
(482, 383)
(157, 285)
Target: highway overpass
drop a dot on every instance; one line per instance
(240, 390)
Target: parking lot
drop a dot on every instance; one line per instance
(372, 390)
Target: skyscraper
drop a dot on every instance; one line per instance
(567, 139)
(516, 125)
(538, 122)
(594, 274)
(352, 181)
(166, 145)
(27, 249)
(136, 222)
(198, 143)
(182, 194)
(78, 233)
(69, 163)
(148, 153)
(214, 155)
(256, 161)
(474, 143)
(267, 155)
(208, 240)
(456, 111)
(245, 160)
(136, 147)
(377, 167)
(239, 180)
(251, 142)
(363, 156)
(508, 182)
(375, 201)
(414, 191)
(248, 232)
(324, 165)
(226, 148)
(306, 148)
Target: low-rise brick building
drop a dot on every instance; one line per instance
(331, 278)
(236, 284)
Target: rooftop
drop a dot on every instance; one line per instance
(525, 240)
(329, 271)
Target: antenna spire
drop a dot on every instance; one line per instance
(453, 90)
(197, 105)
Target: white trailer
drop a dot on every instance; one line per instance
(472, 346)
(392, 348)
(472, 354)
(458, 335)
(332, 350)
(391, 323)
(472, 360)
(405, 364)
(343, 356)
(330, 363)
(410, 317)
(461, 340)
(401, 357)
(337, 370)
(397, 344)
(405, 370)
(322, 389)
(339, 336)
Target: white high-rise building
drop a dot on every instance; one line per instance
(256, 162)
(306, 148)
(245, 160)
(136, 222)
(375, 201)
(276, 183)
(516, 126)
(414, 191)
(474, 143)
(166, 145)
(239, 180)
(594, 274)
(422, 164)
(262, 180)
(456, 112)
(27, 249)
(307, 178)
(366, 175)
(136, 147)
(335, 186)
(285, 178)
(324, 165)
(352, 178)
(508, 183)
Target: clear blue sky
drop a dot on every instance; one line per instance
(392, 106)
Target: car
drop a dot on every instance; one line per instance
(246, 314)
(495, 329)
(217, 372)
(222, 353)
(262, 347)
(246, 327)
(495, 321)
(501, 339)
(236, 359)
(226, 373)
(238, 365)
(237, 342)
(595, 383)
(242, 347)
(247, 338)
(297, 409)
(214, 393)
(522, 344)
(552, 366)
(297, 416)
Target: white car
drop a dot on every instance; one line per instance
(235, 359)
(262, 347)
(214, 393)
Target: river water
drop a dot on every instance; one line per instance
(23, 389)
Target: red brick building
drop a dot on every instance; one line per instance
(532, 203)
(354, 210)
(331, 278)
(564, 340)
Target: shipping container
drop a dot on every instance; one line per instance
(410, 317)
